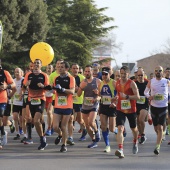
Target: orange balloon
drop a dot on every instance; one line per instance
(42, 51)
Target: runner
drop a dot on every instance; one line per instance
(48, 104)
(37, 81)
(18, 103)
(159, 102)
(127, 94)
(90, 106)
(77, 101)
(107, 109)
(6, 82)
(65, 87)
(142, 105)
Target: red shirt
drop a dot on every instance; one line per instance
(127, 90)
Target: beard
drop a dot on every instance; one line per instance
(158, 75)
(88, 76)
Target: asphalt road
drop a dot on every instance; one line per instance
(17, 156)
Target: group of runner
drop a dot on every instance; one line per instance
(68, 94)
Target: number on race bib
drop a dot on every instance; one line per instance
(62, 100)
(125, 104)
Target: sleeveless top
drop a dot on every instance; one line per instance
(159, 89)
(125, 105)
(106, 92)
(89, 95)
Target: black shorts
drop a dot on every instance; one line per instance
(37, 108)
(139, 107)
(7, 110)
(88, 111)
(17, 109)
(108, 111)
(63, 111)
(158, 115)
(169, 109)
(121, 118)
(77, 107)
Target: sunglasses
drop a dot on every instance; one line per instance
(158, 71)
(80, 72)
(140, 75)
(104, 74)
(37, 63)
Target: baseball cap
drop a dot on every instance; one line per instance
(105, 69)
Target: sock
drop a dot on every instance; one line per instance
(106, 138)
(158, 146)
(120, 146)
(134, 141)
(29, 130)
(25, 135)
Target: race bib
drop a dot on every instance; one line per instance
(17, 97)
(106, 100)
(141, 100)
(125, 104)
(159, 97)
(35, 101)
(75, 98)
(25, 98)
(88, 101)
(62, 100)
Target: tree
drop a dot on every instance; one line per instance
(76, 27)
(25, 22)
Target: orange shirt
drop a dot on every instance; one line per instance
(34, 91)
(6, 78)
(125, 105)
(63, 100)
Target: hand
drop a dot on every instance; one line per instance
(83, 84)
(28, 83)
(40, 85)
(123, 95)
(60, 89)
(96, 91)
(113, 105)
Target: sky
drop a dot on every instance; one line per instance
(143, 26)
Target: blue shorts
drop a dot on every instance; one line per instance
(77, 107)
(63, 111)
(2, 109)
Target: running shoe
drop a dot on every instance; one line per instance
(23, 139)
(58, 140)
(97, 136)
(142, 140)
(63, 148)
(119, 153)
(42, 146)
(107, 149)
(20, 131)
(169, 143)
(17, 137)
(52, 131)
(28, 141)
(135, 148)
(70, 141)
(4, 139)
(12, 127)
(92, 145)
(156, 151)
(82, 138)
(48, 132)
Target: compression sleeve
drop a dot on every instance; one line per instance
(146, 92)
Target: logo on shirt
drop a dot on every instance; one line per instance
(40, 78)
(163, 85)
(65, 80)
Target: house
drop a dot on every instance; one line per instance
(149, 63)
